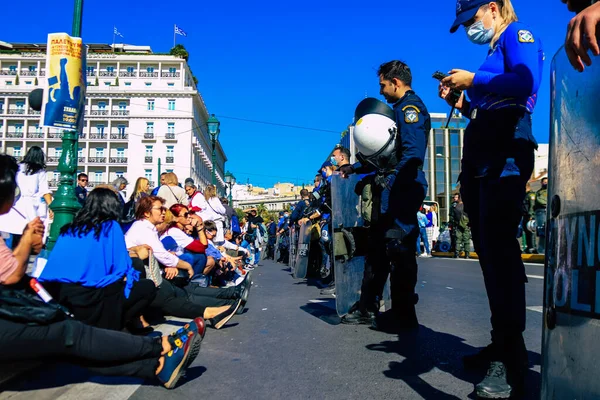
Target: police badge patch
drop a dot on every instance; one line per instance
(411, 116)
(525, 37)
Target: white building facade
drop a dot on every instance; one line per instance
(142, 109)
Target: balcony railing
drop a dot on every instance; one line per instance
(97, 135)
(148, 135)
(16, 135)
(53, 182)
(16, 111)
(170, 160)
(118, 160)
(151, 183)
(97, 160)
(170, 136)
(82, 136)
(80, 160)
(91, 184)
(127, 74)
(53, 159)
(148, 74)
(90, 73)
(120, 113)
(148, 159)
(35, 135)
(119, 136)
(107, 73)
(170, 74)
(28, 73)
(7, 72)
(34, 112)
(99, 112)
(54, 135)
(42, 73)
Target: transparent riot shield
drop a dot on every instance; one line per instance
(303, 250)
(570, 344)
(293, 248)
(346, 216)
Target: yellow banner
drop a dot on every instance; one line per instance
(64, 97)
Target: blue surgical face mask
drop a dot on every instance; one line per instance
(478, 34)
(324, 174)
(333, 161)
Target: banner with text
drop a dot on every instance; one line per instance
(64, 97)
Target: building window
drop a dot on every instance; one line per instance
(99, 177)
(20, 105)
(127, 83)
(150, 69)
(121, 129)
(12, 68)
(38, 128)
(101, 105)
(171, 127)
(151, 105)
(88, 83)
(17, 151)
(170, 151)
(19, 128)
(99, 152)
(149, 151)
(169, 170)
(100, 128)
(172, 70)
(170, 84)
(149, 127)
(28, 82)
(90, 70)
(1, 106)
(110, 69)
(32, 68)
(171, 105)
(148, 174)
(58, 152)
(120, 152)
(122, 105)
(148, 83)
(130, 69)
(8, 83)
(106, 83)
(55, 175)
(80, 152)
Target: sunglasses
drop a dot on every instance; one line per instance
(162, 209)
(185, 215)
(83, 180)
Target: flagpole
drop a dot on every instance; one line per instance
(174, 36)
(114, 30)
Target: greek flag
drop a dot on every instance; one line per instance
(179, 31)
(116, 32)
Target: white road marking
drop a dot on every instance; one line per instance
(535, 276)
(536, 308)
(448, 287)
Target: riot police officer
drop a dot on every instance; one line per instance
(541, 201)
(498, 159)
(528, 214)
(402, 188)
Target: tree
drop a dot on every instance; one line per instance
(17, 79)
(35, 82)
(180, 51)
(96, 83)
(117, 81)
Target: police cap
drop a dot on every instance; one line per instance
(466, 10)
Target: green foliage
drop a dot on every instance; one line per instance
(17, 79)
(96, 83)
(35, 82)
(116, 81)
(240, 214)
(180, 51)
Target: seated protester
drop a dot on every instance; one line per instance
(188, 249)
(170, 299)
(89, 271)
(102, 351)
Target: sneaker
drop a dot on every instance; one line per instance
(246, 285)
(179, 358)
(221, 319)
(494, 385)
(358, 318)
(197, 325)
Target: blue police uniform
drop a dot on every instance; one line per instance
(394, 231)
(502, 99)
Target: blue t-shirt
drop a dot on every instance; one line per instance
(511, 73)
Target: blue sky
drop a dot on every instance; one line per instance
(306, 64)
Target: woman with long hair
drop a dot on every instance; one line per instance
(171, 191)
(33, 186)
(120, 184)
(498, 159)
(142, 186)
(214, 212)
(91, 268)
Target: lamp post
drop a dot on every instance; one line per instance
(65, 203)
(213, 130)
(230, 181)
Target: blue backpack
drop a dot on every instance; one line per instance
(235, 225)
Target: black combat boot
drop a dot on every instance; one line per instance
(466, 255)
(495, 384)
(456, 254)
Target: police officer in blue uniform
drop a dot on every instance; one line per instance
(403, 187)
(498, 159)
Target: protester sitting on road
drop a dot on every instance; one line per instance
(90, 271)
(171, 299)
(102, 351)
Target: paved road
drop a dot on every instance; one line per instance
(287, 345)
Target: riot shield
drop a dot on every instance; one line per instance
(572, 276)
(293, 248)
(301, 266)
(346, 223)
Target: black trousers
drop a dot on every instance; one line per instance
(173, 300)
(103, 351)
(141, 296)
(494, 206)
(213, 297)
(401, 266)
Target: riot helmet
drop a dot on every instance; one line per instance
(374, 131)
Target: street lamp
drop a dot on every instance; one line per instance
(230, 181)
(213, 130)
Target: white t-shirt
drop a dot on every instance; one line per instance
(181, 238)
